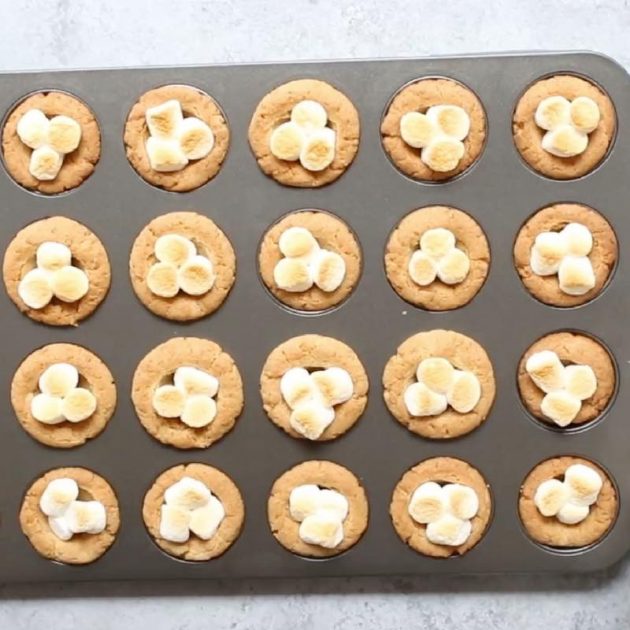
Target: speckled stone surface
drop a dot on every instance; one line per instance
(37, 34)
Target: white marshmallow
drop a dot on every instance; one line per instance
(297, 387)
(464, 392)
(546, 370)
(174, 249)
(547, 253)
(550, 496)
(69, 284)
(421, 401)
(580, 380)
(453, 267)
(417, 130)
(286, 141)
(34, 289)
(309, 114)
(165, 155)
(570, 514)
(311, 419)
(174, 523)
(576, 275)
(298, 242)
(451, 120)
(565, 141)
(45, 163)
(584, 484)
(64, 134)
(443, 155)
(199, 411)
(303, 501)
(205, 521)
(585, 114)
(334, 503)
(86, 517)
(168, 401)
(78, 405)
(195, 138)
(329, 270)
(47, 409)
(58, 379)
(57, 496)
(165, 119)
(318, 149)
(60, 528)
(162, 280)
(293, 275)
(436, 373)
(428, 503)
(578, 238)
(437, 242)
(335, 385)
(561, 407)
(52, 256)
(187, 494)
(196, 276)
(32, 128)
(422, 268)
(449, 530)
(462, 500)
(321, 529)
(192, 380)
(553, 112)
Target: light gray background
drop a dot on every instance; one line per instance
(36, 34)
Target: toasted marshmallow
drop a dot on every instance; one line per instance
(453, 267)
(421, 401)
(449, 530)
(550, 497)
(309, 114)
(437, 242)
(552, 112)
(318, 150)
(196, 276)
(293, 275)
(204, 521)
(578, 238)
(57, 496)
(546, 370)
(565, 141)
(64, 134)
(52, 256)
(86, 517)
(303, 501)
(164, 120)
(47, 409)
(297, 387)
(322, 529)
(580, 381)
(45, 163)
(168, 401)
(78, 405)
(174, 249)
(192, 380)
(329, 270)
(34, 289)
(162, 280)
(311, 419)
(32, 128)
(188, 494)
(334, 384)
(451, 120)
(585, 114)
(286, 141)
(195, 138)
(570, 514)
(443, 155)
(165, 155)
(547, 253)
(436, 373)
(422, 268)
(462, 500)
(428, 503)
(465, 391)
(58, 379)
(174, 523)
(69, 284)
(298, 242)
(576, 275)
(417, 130)
(60, 528)
(334, 503)
(584, 484)
(561, 407)
(199, 411)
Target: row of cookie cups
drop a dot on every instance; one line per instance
(547, 533)
(276, 107)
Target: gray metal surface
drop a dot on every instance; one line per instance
(500, 192)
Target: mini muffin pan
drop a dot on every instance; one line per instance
(499, 191)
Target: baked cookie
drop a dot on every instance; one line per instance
(70, 515)
(304, 133)
(441, 507)
(176, 137)
(187, 392)
(565, 254)
(51, 142)
(194, 512)
(314, 387)
(566, 379)
(56, 271)
(439, 384)
(63, 395)
(437, 258)
(434, 129)
(317, 509)
(568, 502)
(182, 266)
(310, 260)
(563, 126)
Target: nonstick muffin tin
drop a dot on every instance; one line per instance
(499, 191)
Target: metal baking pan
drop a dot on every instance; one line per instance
(500, 191)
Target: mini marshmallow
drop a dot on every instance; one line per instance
(334, 384)
(438, 257)
(187, 494)
(333, 503)
(204, 521)
(311, 419)
(192, 380)
(321, 529)
(576, 275)
(546, 370)
(57, 496)
(421, 401)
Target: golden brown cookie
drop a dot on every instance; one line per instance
(195, 103)
(553, 218)
(210, 242)
(572, 349)
(94, 375)
(404, 241)
(331, 234)
(88, 254)
(275, 109)
(81, 548)
(221, 487)
(548, 530)
(157, 368)
(418, 96)
(313, 352)
(441, 470)
(464, 354)
(326, 475)
(77, 165)
(528, 135)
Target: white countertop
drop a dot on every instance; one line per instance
(37, 34)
